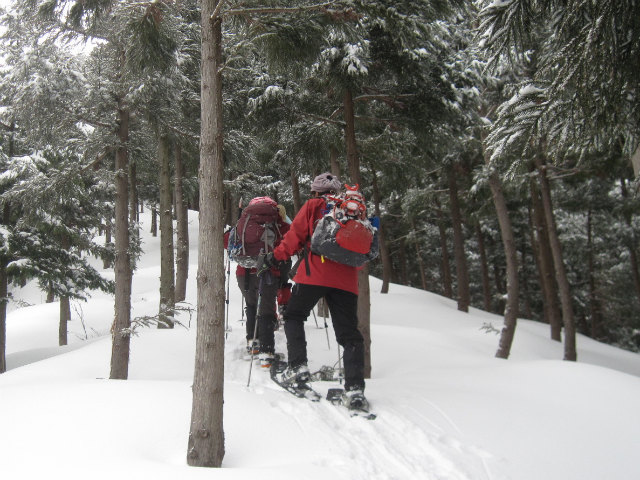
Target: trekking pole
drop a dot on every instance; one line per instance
(326, 327)
(315, 318)
(255, 328)
(340, 373)
(226, 321)
(242, 308)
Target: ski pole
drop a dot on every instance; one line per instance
(255, 328)
(226, 321)
(340, 374)
(315, 318)
(326, 327)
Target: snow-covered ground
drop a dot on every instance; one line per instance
(447, 409)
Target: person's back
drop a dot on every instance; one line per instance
(318, 277)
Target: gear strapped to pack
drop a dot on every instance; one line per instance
(344, 234)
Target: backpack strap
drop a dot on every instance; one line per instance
(244, 229)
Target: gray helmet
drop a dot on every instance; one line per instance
(326, 182)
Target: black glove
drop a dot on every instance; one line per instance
(265, 262)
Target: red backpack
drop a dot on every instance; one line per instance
(256, 232)
(345, 234)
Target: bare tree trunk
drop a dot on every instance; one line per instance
(4, 291)
(333, 161)
(206, 434)
(364, 293)
(524, 281)
(484, 267)
(553, 315)
(423, 276)
(462, 272)
(65, 306)
(50, 295)
(133, 193)
(107, 262)
(447, 282)
(182, 226)
(121, 336)
(295, 188)
(570, 352)
(384, 249)
(594, 301)
(632, 242)
(511, 254)
(167, 273)
(154, 220)
(402, 253)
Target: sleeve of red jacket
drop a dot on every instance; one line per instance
(299, 232)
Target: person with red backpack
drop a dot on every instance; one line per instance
(318, 277)
(259, 230)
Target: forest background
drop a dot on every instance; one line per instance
(494, 139)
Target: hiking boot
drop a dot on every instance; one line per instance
(293, 375)
(253, 347)
(266, 359)
(354, 399)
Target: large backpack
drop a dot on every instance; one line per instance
(344, 234)
(256, 232)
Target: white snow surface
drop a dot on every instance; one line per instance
(447, 408)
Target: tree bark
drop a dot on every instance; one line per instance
(423, 276)
(154, 220)
(4, 291)
(364, 292)
(121, 336)
(182, 226)
(570, 352)
(462, 271)
(632, 242)
(484, 267)
(65, 306)
(511, 254)
(551, 306)
(447, 281)
(206, 434)
(167, 273)
(385, 258)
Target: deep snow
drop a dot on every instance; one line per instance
(447, 409)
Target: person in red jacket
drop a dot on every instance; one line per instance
(318, 277)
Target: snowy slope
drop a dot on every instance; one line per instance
(447, 408)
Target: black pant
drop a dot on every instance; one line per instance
(249, 285)
(343, 307)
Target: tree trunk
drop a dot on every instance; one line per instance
(4, 291)
(594, 301)
(402, 253)
(511, 254)
(524, 280)
(364, 293)
(107, 262)
(631, 243)
(133, 193)
(65, 306)
(553, 315)
(154, 220)
(333, 161)
(447, 282)
(423, 276)
(167, 273)
(206, 434)
(120, 330)
(484, 267)
(462, 272)
(182, 226)
(558, 264)
(295, 188)
(384, 249)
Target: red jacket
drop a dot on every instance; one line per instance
(323, 271)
